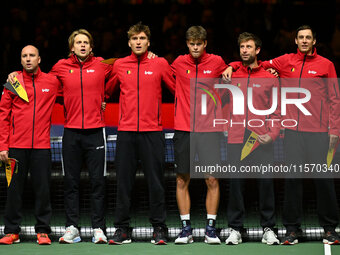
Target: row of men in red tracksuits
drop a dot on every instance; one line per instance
(81, 79)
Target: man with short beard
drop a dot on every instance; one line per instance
(309, 140)
(251, 74)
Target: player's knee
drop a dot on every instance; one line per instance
(212, 183)
(182, 181)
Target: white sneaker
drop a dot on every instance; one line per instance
(234, 237)
(98, 236)
(269, 237)
(71, 235)
(211, 236)
(185, 236)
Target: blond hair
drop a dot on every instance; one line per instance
(79, 32)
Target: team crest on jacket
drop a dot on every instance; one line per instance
(188, 71)
(293, 69)
(70, 71)
(128, 72)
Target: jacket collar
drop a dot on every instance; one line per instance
(75, 59)
(252, 70)
(141, 57)
(29, 75)
(302, 55)
(197, 60)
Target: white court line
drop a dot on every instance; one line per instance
(327, 249)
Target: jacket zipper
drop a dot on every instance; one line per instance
(101, 110)
(336, 94)
(65, 113)
(303, 63)
(175, 106)
(138, 95)
(82, 96)
(321, 113)
(249, 72)
(158, 114)
(193, 124)
(121, 112)
(34, 103)
(13, 124)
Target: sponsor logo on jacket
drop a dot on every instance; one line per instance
(148, 73)
(311, 72)
(206, 71)
(90, 71)
(45, 90)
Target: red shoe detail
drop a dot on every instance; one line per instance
(161, 242)
(43, 239)
(10, 239)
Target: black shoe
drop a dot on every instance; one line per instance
(331, 237)
(160, 235)
(121, 236)
(290, 238)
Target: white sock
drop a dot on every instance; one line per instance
(185, 216)
(211, 216)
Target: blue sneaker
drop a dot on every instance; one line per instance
(210, 235)
(185, 236)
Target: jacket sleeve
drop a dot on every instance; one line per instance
(5, 119)
(55, 71)
(111, 81)
(274, 125)
(168, 77)
(276, 63)
(235, 65)
(221, 65)
(173, 67)
(334, 101)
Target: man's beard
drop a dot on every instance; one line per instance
(249, 61)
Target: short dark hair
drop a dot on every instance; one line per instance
(139, 28)
(304, 27)
(245, 36)
(196, 33)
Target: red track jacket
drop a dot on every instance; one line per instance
(140, 81)
(83, 86)
(309, 71)
(262, 83)
(27, 125)
(186, 69)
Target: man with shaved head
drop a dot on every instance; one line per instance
(83, 76)
(25, 136)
